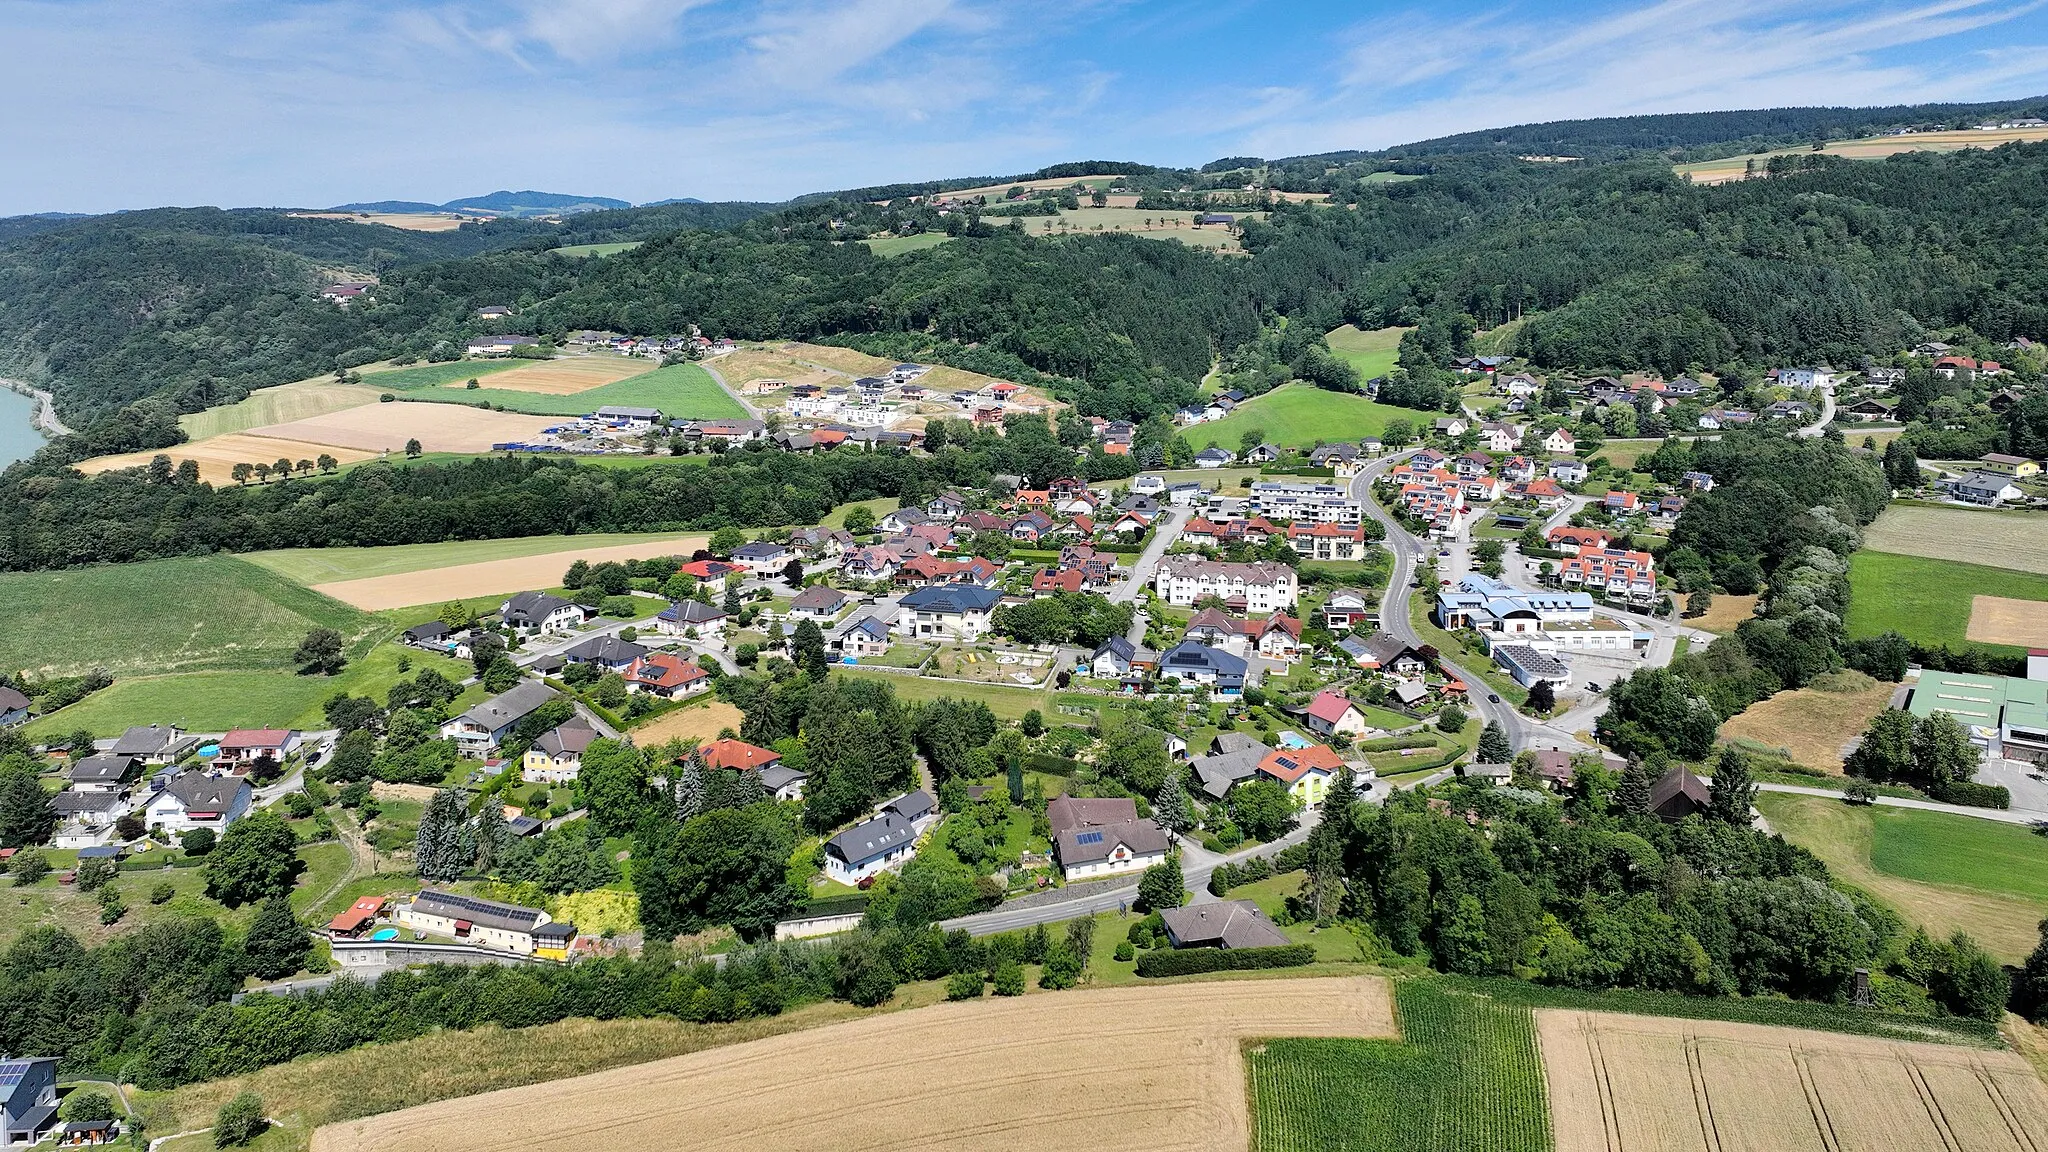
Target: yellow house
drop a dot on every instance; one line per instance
(2017, 467)
(1306, 772)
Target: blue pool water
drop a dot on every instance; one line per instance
(384, 934)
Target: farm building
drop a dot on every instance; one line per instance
(2007, 716)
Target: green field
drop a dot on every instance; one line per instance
(1006, 702)
(1942, 871)
(898, 245)
(1929, 600)
(1372, 353)
(213, 612)
(218, 700)
(680, 390)
(1465, 1076)
(597, 249)
(325, 565)
(437, 375)
(1298, 415)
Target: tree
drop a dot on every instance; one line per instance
(1942, 752)
(441, 849)
(412, 449)
(258, 857)
(27, 815)
(1033, 724)
(725, 866)
(1008, 977)
(491, 835)
(793, 573)
(483, 650)
(808, 646)
(1171, 808)
(726, 540)
(1969, 982)
(86, 1105)
(1062, 968)
(615, 785)
(239, 1121)
(1636, 782)
(1886, 750)
(277, 944)
(1731, 793)
(1698, 601)
(1133, 756)
(865, 977)
(27, 866)
(2030, 986)
(1542, 697)
(1162, 886)
(197, 841)
(1262, 807)
(860, 518)
(95, 873)
(327, 463)
(242, 472)
(320, 652)
(1494, 747)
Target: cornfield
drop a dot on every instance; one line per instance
(1467, 1078)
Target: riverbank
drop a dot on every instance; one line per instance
(44, 417)
(19, 437)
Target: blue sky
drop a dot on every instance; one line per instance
(133, 103)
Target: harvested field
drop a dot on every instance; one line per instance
(838, 359)
(410, 221)
(990, 1074)
(386, 427)
(218, 455)
(1624, 1083)
(742, 368)
(2002, 620)
(490, 577)
(1869, 148)
(565, 377)
(700, 722)
(285, 402)
(1725, 613)
(1814, 723)
(2016, 540)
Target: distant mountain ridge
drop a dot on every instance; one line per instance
(500, 203)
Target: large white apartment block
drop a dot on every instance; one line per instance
(1313, 503)
(1263, 587)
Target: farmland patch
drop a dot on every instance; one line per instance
(217, 456)
(2015, 540)
(277, 405)
(990, 1074)
(387, 427)
(2003, 620)
(678, 390)
(1297, 415)
(491, 577)
(1928, 600)
(701, 722)
(1631, 1082)
(564, 377)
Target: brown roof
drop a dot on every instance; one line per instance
(1228, 924)
(1678, 794)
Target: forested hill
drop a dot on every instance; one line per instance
(1616, 265)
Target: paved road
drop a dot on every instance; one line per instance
(719, 378)
(1999, 815)
(1827, 414)
(1407, 550)
(1176, 518)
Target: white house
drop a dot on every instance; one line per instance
(1263, 586)
(1805, 378)
(479, 730)
(531, 612)
(1332, 713)
(1985, 488)
(957, 612)
(1094, 838)
(882, 844)
(485, 923)
(192, 800)
(1148, 485)
(1560, 442)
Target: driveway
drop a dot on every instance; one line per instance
(1827, 413)
(2002, 816)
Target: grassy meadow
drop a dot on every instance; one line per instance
(278, 405)
(437, 375)
(899, 245)
(1928, 600)
(679, 391)
(1813, 723)
(161, 616)
(1372, 353)
(1298, 415)
(597, 249)
(1941, 871)
(327, 565)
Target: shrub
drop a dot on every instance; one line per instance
(1971, 793)
(1124, 951)
(162, 892)
(239, 1121)
(1062, 968)
(1009, 978)
(88, 1104)
(200, 841)
(1189, 961)
(964, 986)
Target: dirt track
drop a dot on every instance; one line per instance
(1629, 1083)
(1154, 1068)
(490, 577)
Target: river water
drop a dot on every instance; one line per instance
(18, 436)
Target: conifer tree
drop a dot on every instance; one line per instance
(1171, 808)
(1732, 793)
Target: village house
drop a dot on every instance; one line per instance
(2001, 464)
(1116, 658)
(691, 618)
(1332, 713)
(865, 634)
(1103, 837)
(1279, 638)
(1560, 442)
(1347, 608)
(1986, 488)
(881, 844)
(528, 613)
(1328, 541)
(1568, 470)
(608, 652)
(486, 923)
(1213, 668)
(155, 744)
(242, 748)
(14, 706)
(28, 1098)
(478, 731)
(818, 602)
(557, 756)
(762, 557)
(1305, 772)
(948, 612)
(1384, 652)
(1224, 924)
(194, 800)
(1232, 757)
(103, 772)
(666, 675)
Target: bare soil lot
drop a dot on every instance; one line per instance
(838, 359)
(2003, 620)
(490, 577)
(1035, 1071)
(1623, 1083)
(2016, 540)
(386, 428)
(700, 722)
(218, 455)
(565, 377)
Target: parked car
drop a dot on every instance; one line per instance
(1493, 697)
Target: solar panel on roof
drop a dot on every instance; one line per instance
(1088, 838)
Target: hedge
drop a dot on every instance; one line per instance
(1188, 961)
(834, 906)
(1396, 743)
(1973, 794)
(1051, 765)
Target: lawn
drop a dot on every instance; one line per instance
(1466, 1075)
(214, 701)
(1007, 703)
(2014, 540)
(596, 249)
(437, 375)
(1298, 415)
(212, 612)
(1335, 944)
(1371, 352)
(1928, 600)
(680, 391)
(1945, 872)
(899, 245)
(327, 565)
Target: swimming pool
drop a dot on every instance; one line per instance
(384, 934)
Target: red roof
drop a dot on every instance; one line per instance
(1288, 765)
(256, 738)
(1330, 707)
(738, 754)
(361, 912)
(707, 569)
(1048, 580)
(663, 670)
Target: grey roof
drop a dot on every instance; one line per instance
(571, 738)
(1531, 661)
(1118, 646)
(760, 549)
(555, 930)
(431, 630)
(488, 913)
(639, 413)
(1085, 830)
(912, 805)
(607, 649)
(70, 804)
(819, 598)
(100, 852)
(523, 825)
(1190, 657)
(1387, 648)
(200, 793)
(778, 775)
(1677, 793)
(510, 706)
(873, 838)
(692, 612)
(101, 769)
(145, 741)
(1226, 924)
(532, 607)
(11, 699)
(954, 599)
(1235, 760)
